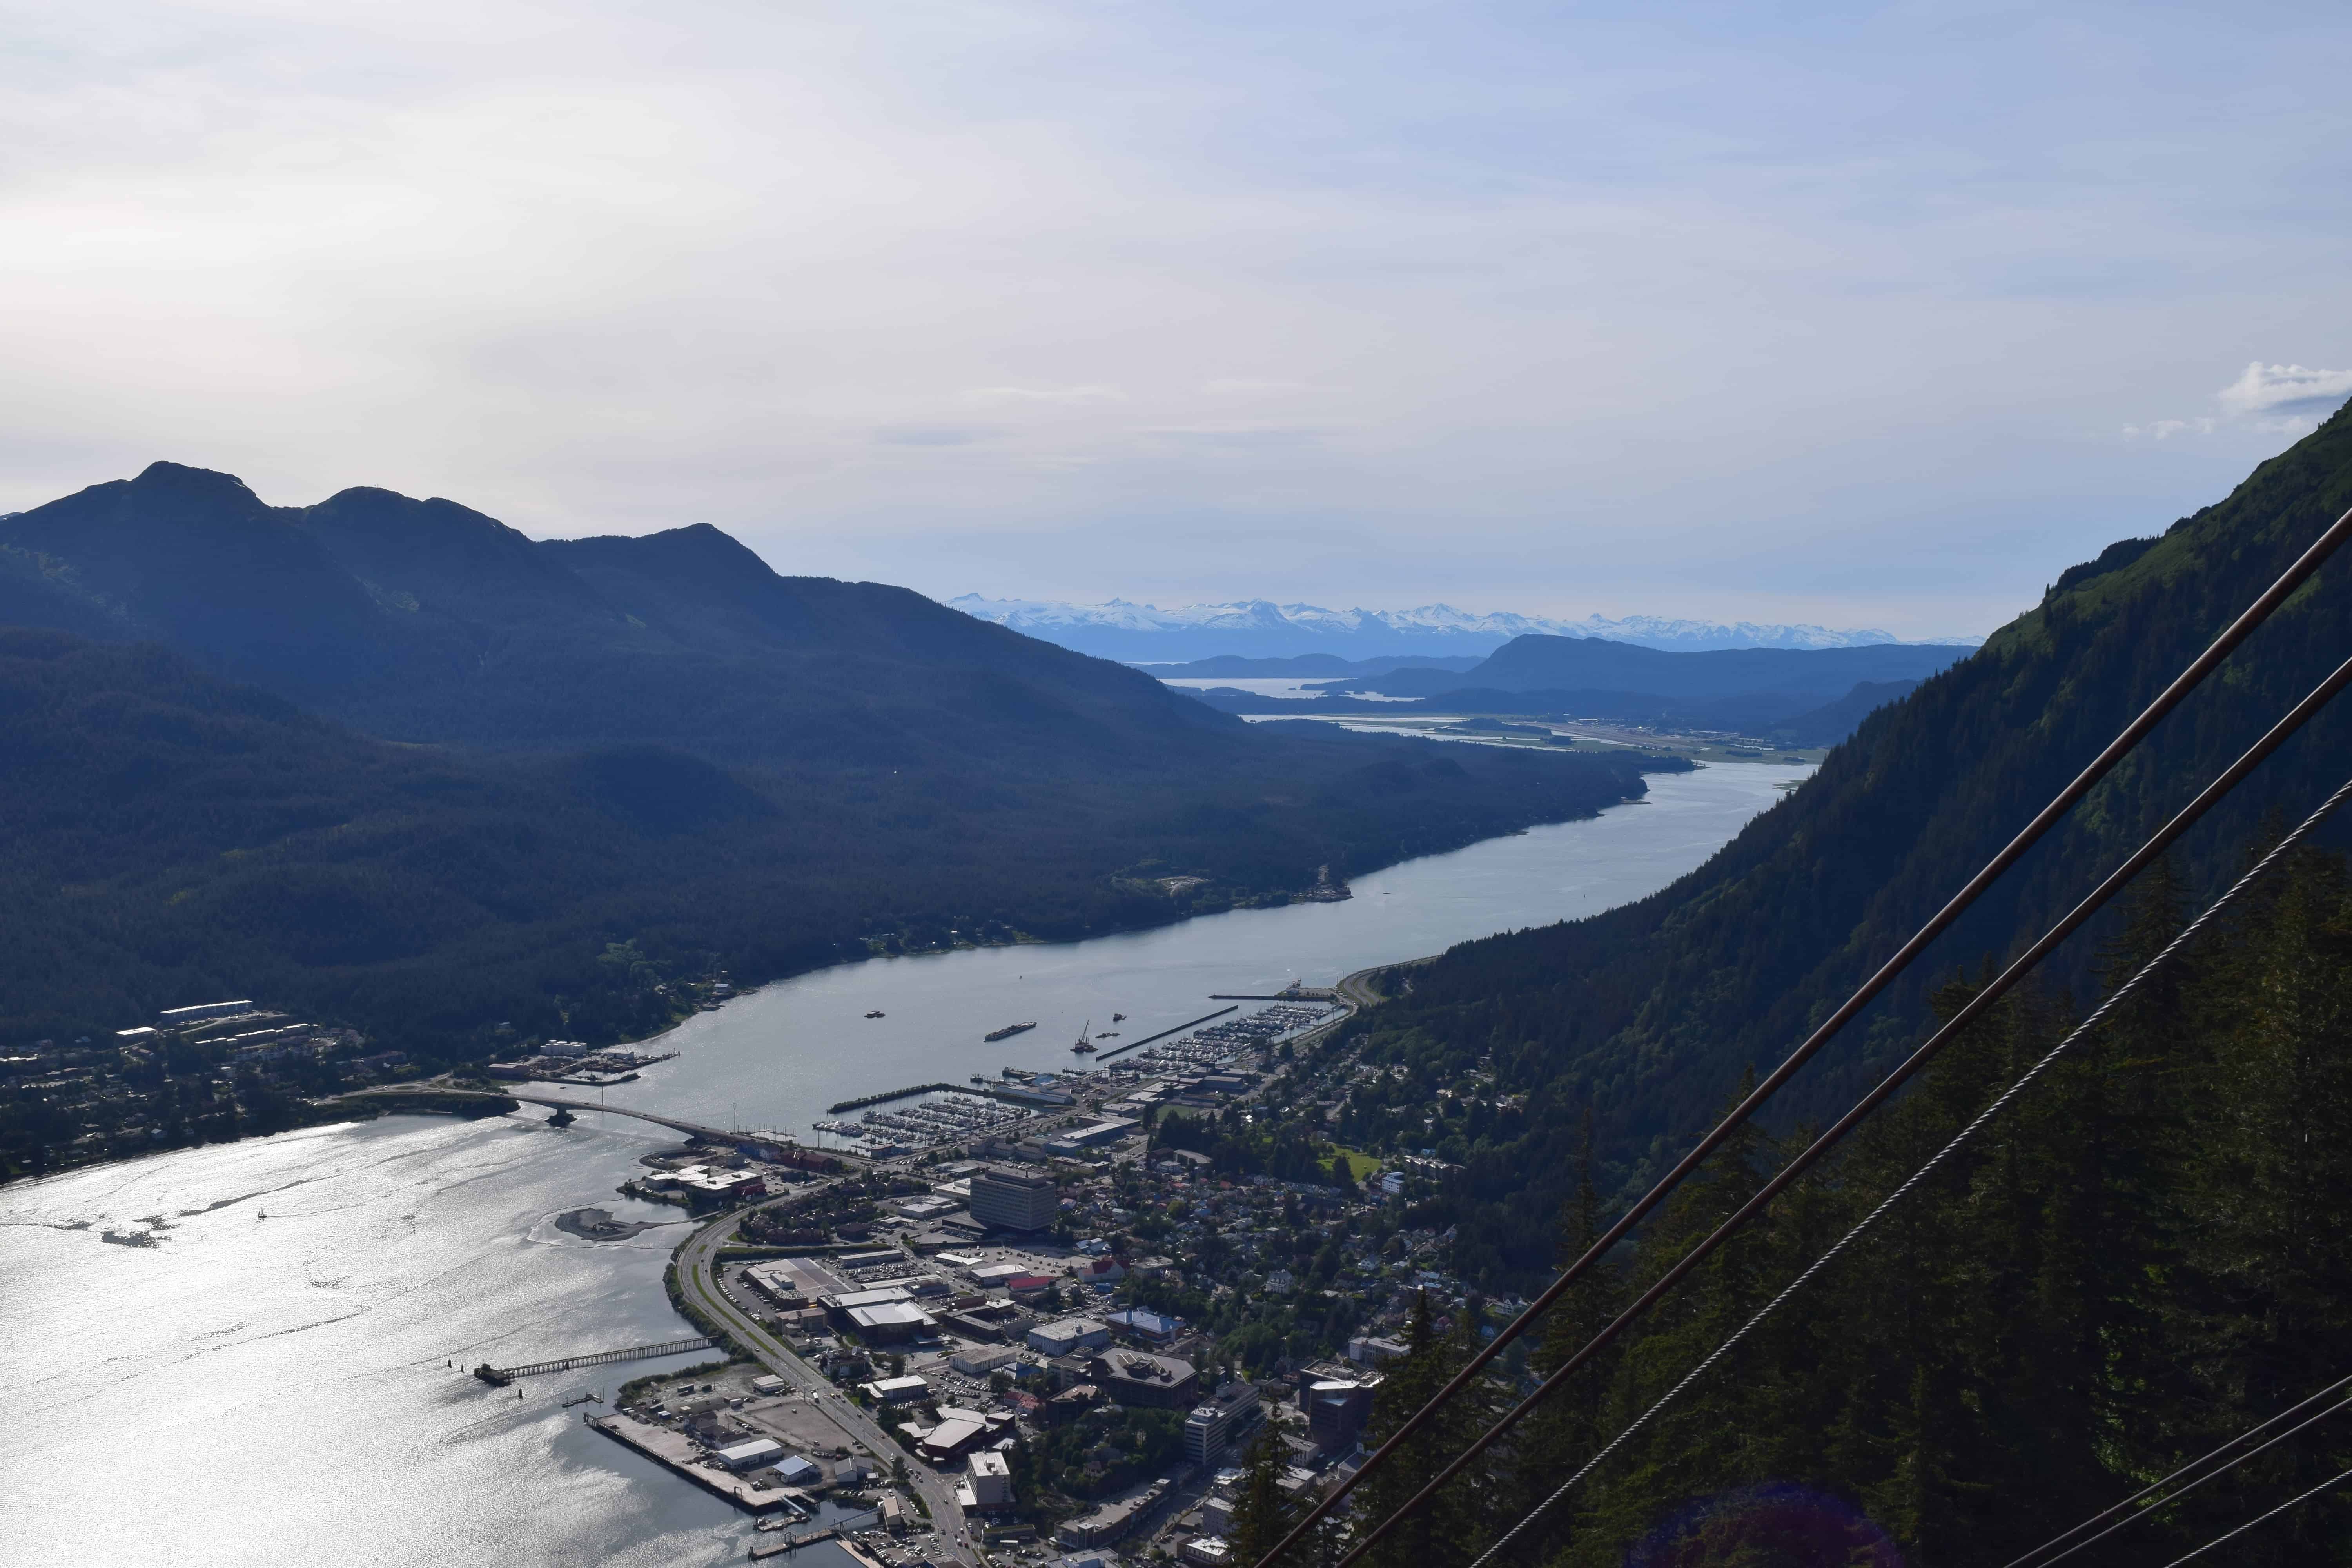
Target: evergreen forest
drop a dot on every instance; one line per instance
(2143, 1257)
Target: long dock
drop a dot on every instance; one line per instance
(1164, 1034)
(505, 1374)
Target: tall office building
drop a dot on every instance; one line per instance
(1014, 1200)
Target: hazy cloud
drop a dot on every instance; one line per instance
(1015, 395)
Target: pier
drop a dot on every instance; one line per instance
(503, 1375)
(682, 1457)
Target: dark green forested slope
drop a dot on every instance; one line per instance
(175, 838)
(2142, 1259)
(425, 620)
(1650, 1013)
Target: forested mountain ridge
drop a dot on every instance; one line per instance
(175, 837)
(1650, 1013)
(425, 620)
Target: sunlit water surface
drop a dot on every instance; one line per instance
(267, 1378)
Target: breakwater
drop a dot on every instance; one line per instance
(1133, 1045)
(863, 1100)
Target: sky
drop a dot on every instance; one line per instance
(1858, 315)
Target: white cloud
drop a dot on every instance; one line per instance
(2281, 399)
(2286, 392)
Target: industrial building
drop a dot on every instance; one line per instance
(1014, 1200)
(889, 1322)
(957, 1431)
(976, 1362)
(751, 1456)
(1069, 1336)
(706, 1181)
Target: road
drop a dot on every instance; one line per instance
(1356, 990)
(698, 1278)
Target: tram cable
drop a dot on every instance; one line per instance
(2036, 1557)
(2129, 739)
(2233, 1535)
(2157, 844)
(2079, 1033)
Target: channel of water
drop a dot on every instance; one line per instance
(264, 1366)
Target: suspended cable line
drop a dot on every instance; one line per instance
(1977, 1005)
(2080, 1032)
(2187, 682)
(2172, 1497)
(2291, 1502)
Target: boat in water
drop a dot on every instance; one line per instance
(1009, 1030)
(876, 1013)
(1119, 1018)
(1086, 1046)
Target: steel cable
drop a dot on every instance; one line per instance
(2099, 1015)
(2172, 1497)
(2291, 1502)
(2156, 844)
(2188, 680)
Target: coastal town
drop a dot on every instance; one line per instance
(1044, 1316)
(1061, 1337)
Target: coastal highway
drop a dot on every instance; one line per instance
(698, 1264)
(1356, 990)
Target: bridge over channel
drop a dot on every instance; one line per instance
(771, 1147)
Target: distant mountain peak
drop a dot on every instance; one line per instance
(1123, 628)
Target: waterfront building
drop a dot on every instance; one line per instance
(751, 1455)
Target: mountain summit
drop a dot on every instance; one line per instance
(426, 620)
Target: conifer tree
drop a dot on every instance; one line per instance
(1262, 1515)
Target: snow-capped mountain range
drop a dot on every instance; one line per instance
(1259, 628)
